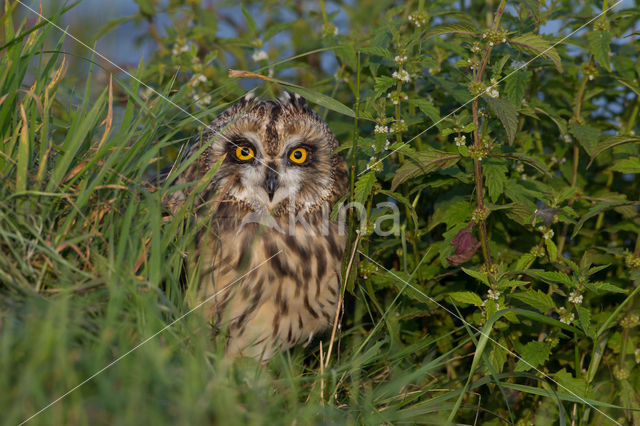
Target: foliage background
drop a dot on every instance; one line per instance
(538, 174)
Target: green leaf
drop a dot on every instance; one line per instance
(422, 163)
(587, 136)
(612, 142)
(554, 277)
(382, 83)
(626, 165)
(602, 287)
(570, 383)
(552, 249)
(363, 187)
(480, 276)
(584, 316)
(524, 261)
(377, 51)
(251, 23)
(427, 108)
(532, 355)
(466, 297)
(495, 173)
(599, 42)
(146, 7)
(450, 28)
(535, 44)
(323, 100)
(506, 113)
(536, 299)
(594, 211)
(515, 86)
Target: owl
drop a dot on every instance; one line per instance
(269, 259)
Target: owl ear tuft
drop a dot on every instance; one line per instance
(293, 99)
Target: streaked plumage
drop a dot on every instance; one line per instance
(280, 164)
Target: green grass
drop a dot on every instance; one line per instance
(95, 327)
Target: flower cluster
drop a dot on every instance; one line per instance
(419, 19)
(566, 317)
(198, 79)
(401, 75)
(260, 55)
(575, 298)
(399, 127)
(179, 48)
(201, 101)
(460, 140)
(397, 96)
(494, 37)
(381, 129)
(547, 234)
(400, 59)
(493, 294)
(492, 90)
(329, 30)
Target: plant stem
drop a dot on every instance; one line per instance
(477, 142)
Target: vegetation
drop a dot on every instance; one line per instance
(508, 295)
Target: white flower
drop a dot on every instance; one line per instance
(201, 101)
(380, 129)
(387, 144)
(400, 59)
(637, 355)
(199, 78)
(177, 49)
(492, 92)
(548, 235)
(567, 319)
(460, 140)
(260, 55)
(490, 43)
(591, 77)
(493, 294)
(401, 75)
(575, 298)
(566, 138)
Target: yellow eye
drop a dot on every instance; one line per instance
(244, 153)
(298, 155)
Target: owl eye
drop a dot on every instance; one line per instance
(298, 155)
(244, 153)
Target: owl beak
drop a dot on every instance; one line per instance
(271, 182)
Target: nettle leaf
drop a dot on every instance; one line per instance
(536, 299)
(584, 316)
(587, 136)
(460, 28)
(524, 261)
(323, 100)
(554, 277)
(428, 108)
(602, 287)
(515, 86)
(377, 51)
(535, 44)
(466, 297)
(495, 174)
(480, 276)
(382, 83)
(594, 211)
(599, 44)
(532, 355)
(506, 113)
(570, 383)
(423, 162)
(363, 187)
(612, 142)
(552, 249)
(626, 165)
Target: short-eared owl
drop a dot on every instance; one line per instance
(269, 259)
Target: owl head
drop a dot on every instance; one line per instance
(277, 156)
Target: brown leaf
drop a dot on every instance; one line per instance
(466, 246)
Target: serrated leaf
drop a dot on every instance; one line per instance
(377, 51)
(587, 136)
(594, 211)
(602, 287)
(363, 187)
(533, 355)
(506, 113)
(552, 249)
(382, 83)
(524, 261)
(428, 108)
(424, 162)
(599, 44)
(554, 277)
(515, 86)
(584, 317)
(626, 165)
(569, 383)
(535, 44)
(450, 28)
(466, 297)
(495, 173)
(480, 276)
(251, 23)
(612, 142)
(536, 299)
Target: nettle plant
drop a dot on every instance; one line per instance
(506, 136)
